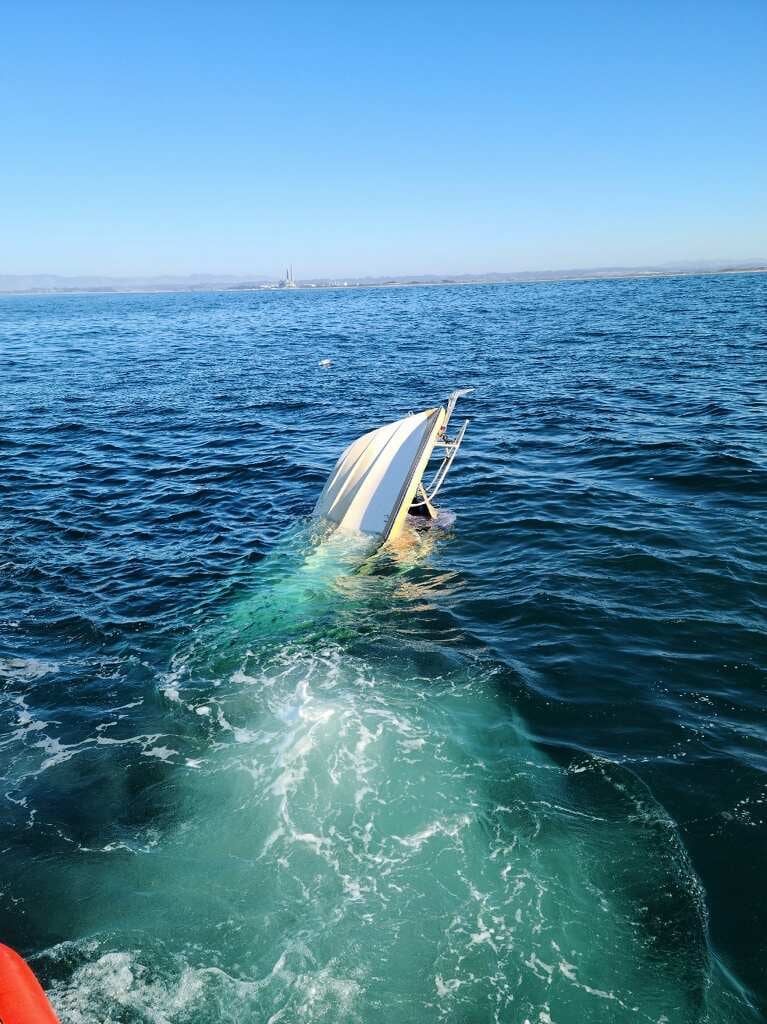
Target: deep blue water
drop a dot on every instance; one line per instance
(516, 771)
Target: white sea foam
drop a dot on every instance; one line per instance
(355, 841)
(27, 669)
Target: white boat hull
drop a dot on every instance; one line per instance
(376, 480)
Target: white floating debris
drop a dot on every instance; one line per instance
(326, 362)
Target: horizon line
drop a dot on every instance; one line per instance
(689, 265)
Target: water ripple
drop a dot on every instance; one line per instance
(514, 771)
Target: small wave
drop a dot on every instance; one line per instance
(26, 669)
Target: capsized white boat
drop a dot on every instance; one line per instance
(378, 480)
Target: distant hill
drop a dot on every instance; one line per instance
(59, 283)
(55, 284)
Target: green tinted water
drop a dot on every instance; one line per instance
(521, 774)
(360, 829)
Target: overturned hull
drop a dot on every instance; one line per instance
(379, 478)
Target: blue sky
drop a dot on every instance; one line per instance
(380, 138)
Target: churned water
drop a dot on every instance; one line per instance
(514, 770)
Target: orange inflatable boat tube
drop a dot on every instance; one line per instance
(22, 1000)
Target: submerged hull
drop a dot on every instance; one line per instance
(375, 480)
(378, 479)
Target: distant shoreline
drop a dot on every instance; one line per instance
(526, 277)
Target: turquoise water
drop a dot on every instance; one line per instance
(512, 770)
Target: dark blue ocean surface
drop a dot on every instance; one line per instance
(511, 771)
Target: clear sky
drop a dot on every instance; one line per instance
(381, 138)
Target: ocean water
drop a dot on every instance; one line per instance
(513, 770)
